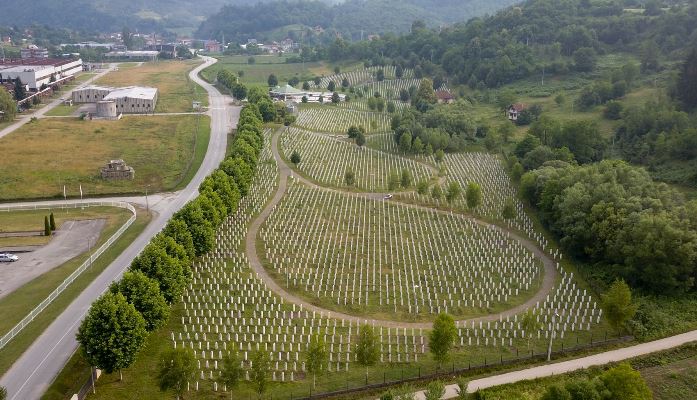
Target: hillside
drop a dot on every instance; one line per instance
(102, 15)
(351, 18)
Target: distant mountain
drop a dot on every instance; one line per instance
(109, 15)
(351, 18)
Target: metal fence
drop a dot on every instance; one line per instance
(64, 285)
(382, 381)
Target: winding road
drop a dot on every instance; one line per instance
(33, 372)
(550, 273)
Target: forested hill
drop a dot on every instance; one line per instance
(351, 18)
(103, 15)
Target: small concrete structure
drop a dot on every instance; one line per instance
(107, 109)
(117, 170)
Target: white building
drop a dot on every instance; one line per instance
(140, 55)
(127, 100)
(36, 72)
(33, 51)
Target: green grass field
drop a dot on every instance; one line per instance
(50, 153)
(258, 73)
(171, 78)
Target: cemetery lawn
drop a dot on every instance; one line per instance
(16, 305)
(171, 78)
(51, 153)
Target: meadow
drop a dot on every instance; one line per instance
(52, 153)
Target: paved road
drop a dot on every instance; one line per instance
(571, 365)
(549, 272)
(48, 107)
(70, 240)
(33, 372)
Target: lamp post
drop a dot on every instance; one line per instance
(551, 335)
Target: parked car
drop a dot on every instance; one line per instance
(7, 257)
(389, 196)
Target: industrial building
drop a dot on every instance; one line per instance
(137, 55)
(33, 51)
(35, 72)
(113, 101)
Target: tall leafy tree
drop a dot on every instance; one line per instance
(8, 107)
(260, 371)
(443, 335)
(144, 293)
(687, 81)
(176, 369)
(155, 263)
(231, 371)
(316, 356)
(367, 348)
(618, 305)
(530, 324)
(453, 192)
(624, 383)
(112, 333)
(473, 195)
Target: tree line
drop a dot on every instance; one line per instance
(118, 322)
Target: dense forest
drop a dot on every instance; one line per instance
(350, 20)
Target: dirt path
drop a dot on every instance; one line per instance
(549, 277)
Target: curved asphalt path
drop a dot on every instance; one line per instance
(33, 372)
(549, 274)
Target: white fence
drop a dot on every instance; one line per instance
(57, 291)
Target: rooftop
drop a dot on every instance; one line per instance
(134, 92)
(56, 62)
(287, 89)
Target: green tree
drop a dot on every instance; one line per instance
(127, 38)
(316, 357)
(624, 383)
(380, 75)
(3, 393)
(231, 371)
(436, 192)
(422, 187)
(439, 155)
(393, 180)
(177, 230)
(295, 158)
(530, 324)
(686, 87)
(272, 81)
(506, 131)
(517, 171)
(425, 96)
(391, 108)
(335, 98)
(585, 59)
(443, 335)
(177, 367)
(406, 178)
(367, 348)
(144, 293)
(261, 366)
(618, 305)
(349, 177)
(52, 222)
(434, 390)
(509, 211)
(112, 333)
(47, 227)
(505, 99)
(582, 389)
(453, 192)
(353, 132)
(360, 139)
(417, 146)
(8, 107)
(473, 195)
(345, 83)
(331, 86)
(556, 392)
(166, 270)
(405, 142)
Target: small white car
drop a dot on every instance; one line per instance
(7, 257)
(389, 196)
